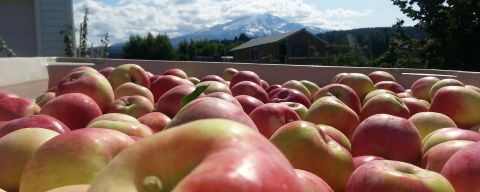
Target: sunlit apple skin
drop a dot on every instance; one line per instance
(375, 93)
(16, 149)
(307, 147)
(271, 116)
(248, 103)
(226, 97)
(378, 76)
(338, 76)
(44, 98)
(388, 136)
(421, 87)
(250, 88)
(390, 85)
(204, 155)
(75, 110)
(311, 182)
(415, 105)
(170, 102)
(448, 134)
(342, 92)
(297, 85)
(228, 73)
(213, 78)
(211, 107)
(134, 105)
(360, 160)
(463, 169)
(40, 121)
(477, 89)
(214, 86)
(436, 157)
(331, 111)
(165, 83)
(122, 123)
(300, 109)
(106, 71)
(311, 86)
(71, 188)
(194, 80)
(427, 122)
(290, 95)
(384, 103)
(14, 108)
(336, 135)
(87, 151)
(176, 72)
(396, 176)
(360, 83)
(155, 120)
(245, 76)
(444, 83)
(128, 73)
(130, 89)
(461, 104)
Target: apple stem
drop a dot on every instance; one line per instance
(153, 184)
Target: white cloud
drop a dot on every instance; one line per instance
(179, 17)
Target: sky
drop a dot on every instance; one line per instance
(122, 18)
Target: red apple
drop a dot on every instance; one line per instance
(134, 106)
(463, 169)
(360, 83)
(421, 87)
(300, 109)
(290, 95)
(130, 89)
(415, 105)
(264, 84)
(248, 103)
(123, 123)
(448, 134)
(297, 85)
(226, 97)
(360, 160)
(384, 103)
(155, 120)
(176, 72)
(375, 93)
(311, 86)
(272, 87)
(390, 85)
(106, 71)
(271, 116)
(5, 95)
(427, 122)
(443, 83)
(336, 135)
(128, 73)
(378, 76)
(342, 92)
(436, 157)
(40, 121)
(244, 76)
(311, 182)
(14, 108)
(170, 102)
(165, 83)
(250, 88)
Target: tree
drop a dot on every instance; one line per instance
(4, 48)
(153, 47)
(453, 29)
(83, 34)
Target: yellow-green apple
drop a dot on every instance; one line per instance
(444, 83)
(71, 188)
(337, 77)
(331, 111)
(289, 95)
(312, 182)
(390, 85)
(311, 86)
(473, 87)
(128, 73)
(176, 72)
(14, 108)
(211, 107)
(214, 86)
(436, 157)
(375, 93)
(89, 82)
(44, 98)
(155, 120)
(75, 110)
(228, 73)
(212, 78)
(134, 106)
(360, 83)
(415, 105)
(248, 103)
(170, 102)
(384, 103)
(16, 148)
(264, 84)
(245, 76)
(300, 109)
(130, 89)
(194, 80)
(448, 134)
(250, 88)
(123, 123)
(336, 135)
(72, 158)
(459, 103)
(388, 136)
(463, 169)
(297, 85)
(40, 121)
(427, 122)
(106, 71)
(342, 92)
(271, 116)
(204, 155)
(165, 83)
(360, 160)
(396, 176)
(5, 95)
(307, 147)
(226, 97)
(421, 87)
(378, 76)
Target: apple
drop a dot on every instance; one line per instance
(44, 98)
(214, 86)
(155, 77)
(130, 89)
(75, 157)
(16, 149)
(390, 85)
(375, 93)
(463, 169)
(448, 134)
(128, 73)
(395, 176)
(272, 87)
(14, 108)
(170, 102)
(384, 103)
(40, 121)
(165, 83)
(337, 77)
(311, 86)
(228, 73)
(194, 80)
(307, 147)
(122, 123)
(336, 135)
(264, 84)
(204, 155)
(244, 76)
(360, 83)
(250, 88)
(134, 106)
(271, 116)
(176, 72)
(155, 120)
(415, 105)
(211, 107)
(427, 122)
(378, 76)
(407, 95)
(421, 87)
(360, 160)
(212, 78)
(331, 111)
(444, 83)
(473, 87)
(5, 95)
(71, 188)
(342, 92)
(248, 103)
(436, 157)
(461, 104)
(387, 136)
(226, 97)
(290, 95)
(311, 182)
(106, 71)
(300, 109)
(297, 85)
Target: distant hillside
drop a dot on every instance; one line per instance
(339, 37)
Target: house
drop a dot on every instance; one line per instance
(296, 47)
(32, 27)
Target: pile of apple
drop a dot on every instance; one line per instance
(125, 129)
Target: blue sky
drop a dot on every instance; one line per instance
(121, 18)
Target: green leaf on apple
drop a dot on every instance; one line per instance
(192, 96)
